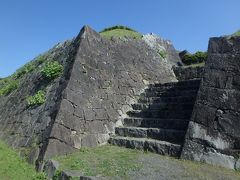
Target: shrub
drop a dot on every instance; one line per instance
(52, 69)
(40, 59)
(37, 99)
(7, 86)
(29, 67)
(201, 56)
(162, 53)
(198, 57)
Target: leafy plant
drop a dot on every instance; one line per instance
(162, 53)
(52, 69)
(37, 99)
(7, 86)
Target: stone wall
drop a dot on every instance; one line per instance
(106, 78)
(214, 135)
(186, 73)
(26, 128)
(101, 79)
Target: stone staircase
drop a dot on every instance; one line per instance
(159, 121)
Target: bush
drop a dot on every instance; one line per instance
(196, 58)
(7, 86)
(52, 69)
(117, 27)
(40, 59)
(201, 56)
(37, 99)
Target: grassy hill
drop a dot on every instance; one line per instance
(12, 167)
(236, 33)
(120, 31)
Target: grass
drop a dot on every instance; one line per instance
(236, 33)
(11, 83)
(108, 161)
(7, 85)
(121, 33)
(202, 64)
(116, 162)
(12, 167)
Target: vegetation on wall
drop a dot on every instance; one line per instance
(52, 69)
(29, 67)
(236, 33)
(37, 99)
(120, 31)
(162, 53)
(8, 85)
(11, 83)
(198, 57)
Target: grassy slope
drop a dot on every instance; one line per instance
(121, 33)
(112, 161)
(105, 160)
(12, 167)
(236, 33)
(195, 65)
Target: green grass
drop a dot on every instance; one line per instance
(236, 33)
(121, 33)
(116, 162)
(12, 167)
(202, 64)
(108, 161)
(7, 85)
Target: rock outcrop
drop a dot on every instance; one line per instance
(163, 46)
(101, 79)
(213, 134)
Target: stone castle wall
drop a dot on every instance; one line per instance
(106, 78)
(213, 135)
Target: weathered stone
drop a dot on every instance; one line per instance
(50, 168)
(215, 118)
(90, 140)
(218, 159)
(237, 164)
(183, 73)
(100, 76)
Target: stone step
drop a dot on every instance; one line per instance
(160, 114)
(171, 89)
(176, 99)
(178, 124)
(169, 93)
(163, 106)
(170, 135)
(156, 146)
(194, 82)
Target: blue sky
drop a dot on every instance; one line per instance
(30, 27)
